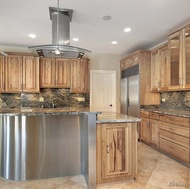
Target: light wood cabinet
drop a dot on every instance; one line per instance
(22, 74)
(54, 73)
(30, 81)
(143, 58)
(116, 152)
(150, 127)
(2, 72)
(160, 69)
(174, 136)
(179, 59)
(79, 76)
(13, 74)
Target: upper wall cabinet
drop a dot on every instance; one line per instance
(54, 73)
(159, 69)
(2, 72)
(143, 58)
(179, 58)
(21, 74)
(80, 76)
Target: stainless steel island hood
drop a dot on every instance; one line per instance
(60, 46)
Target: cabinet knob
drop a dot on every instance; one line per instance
(111, 105)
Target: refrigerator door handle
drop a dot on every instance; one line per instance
(128, 102)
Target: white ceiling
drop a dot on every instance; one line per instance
(150, 20)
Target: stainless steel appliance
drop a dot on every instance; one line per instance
(130, 103)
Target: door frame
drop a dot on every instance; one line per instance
(113, 72)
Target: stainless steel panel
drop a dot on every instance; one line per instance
(35, 147)
(133, 96)
(124, 96)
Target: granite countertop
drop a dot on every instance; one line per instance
(181, 113)
(111, 117)
(45, 111)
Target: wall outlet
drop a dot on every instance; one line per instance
(81, 99)
(163, 100)
(41, 99)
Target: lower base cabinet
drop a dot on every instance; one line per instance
(116, 152)
(167, 133)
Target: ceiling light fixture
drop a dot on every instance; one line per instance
(114, 42)
(32, 35)
(127, 29)
(75, 39)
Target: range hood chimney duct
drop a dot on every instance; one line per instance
(60, 46)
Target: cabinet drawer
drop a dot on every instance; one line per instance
(183, 141)
(176, 129)
(175, 120)
(154, 116)
(175, 149)
(145, 114)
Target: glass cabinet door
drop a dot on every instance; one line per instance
(174, 52)
(187, 55)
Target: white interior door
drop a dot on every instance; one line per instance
(103, 90)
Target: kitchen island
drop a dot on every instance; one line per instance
(56, 142)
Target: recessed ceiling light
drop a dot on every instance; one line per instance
(127, 29)
(106, 17)
(32, 35)
(114, 42)
(75, 39)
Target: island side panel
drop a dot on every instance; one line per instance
(116, 151)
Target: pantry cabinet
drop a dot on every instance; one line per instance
(80, 76)
(2, 72)
(21, 73)
(54, 73)
(116, 151)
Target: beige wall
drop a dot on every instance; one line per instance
(108, 62)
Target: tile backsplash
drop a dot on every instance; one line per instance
(179, 100)
(46, 98)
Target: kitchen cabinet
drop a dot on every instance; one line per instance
(174, 136)
(54, 73)
(150, 127)
(116, 151)
(154, 129)
(143, 58)
(179, 59)
(2, 72)
(79, 76)
(30, 78)
(22, 74)
(159, 69)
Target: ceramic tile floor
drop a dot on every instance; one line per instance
(155, 171)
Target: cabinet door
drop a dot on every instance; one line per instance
(14, 73)
(30, 74)
(154, 132)
(155, 71)
(47, 72)
(63, 73)
(164, 68)
(117, 150)
(75, 76)
(145, 129)
(84, 76)
(2, 72)
(174, 60)
(186, 58)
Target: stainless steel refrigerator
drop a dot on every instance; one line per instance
(130, 102)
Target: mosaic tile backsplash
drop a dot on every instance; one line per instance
(47, 98)
(174, 100)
